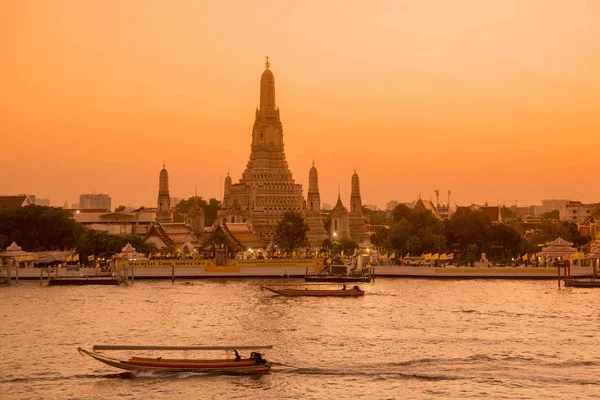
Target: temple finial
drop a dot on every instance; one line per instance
(267, 63)
(227, 171)
(339, 193)
(164, 165)
(355, 169)
(196, 193)
(313, 161)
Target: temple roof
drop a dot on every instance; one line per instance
(242, 236)
(12, 202)
(173, 234)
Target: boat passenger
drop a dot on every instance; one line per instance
(237, 355)
(344, 287)
(356, 288)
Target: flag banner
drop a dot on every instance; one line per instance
(69, 258)
(428, 256)
(36, 257)
(436, 256)
(406, 256)
(524, 257)
(393, 255)
(450, 256)
(385, 256)
(20, 259)
(91, 258)
(532, 259)
(443, 256)
(59, 265)
(76, 257)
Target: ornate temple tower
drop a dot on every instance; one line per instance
(340, 225)
(312, 214)
(267, 188)
(163, 213)
(358, 231)
(195, 217)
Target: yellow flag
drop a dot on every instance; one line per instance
(157, 255)
(59, 265)
(393, 255)
(35, 257)
(168, 255)
(532, 258)
(428, 256)
(69, 258)
(443, 256)
(76, 257)
(524, 257)
(573, 257)
(581, 256)
(436, 256)
(385, 256)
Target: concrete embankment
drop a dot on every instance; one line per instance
(299, 272)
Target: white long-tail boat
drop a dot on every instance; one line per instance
(255, 364)
(314, 289)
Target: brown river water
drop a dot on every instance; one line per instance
(405, 339)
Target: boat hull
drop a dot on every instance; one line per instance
(228, 367)
(316, 293)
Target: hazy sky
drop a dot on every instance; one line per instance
(494, 100)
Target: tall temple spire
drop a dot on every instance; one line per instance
(316, 228)
(267, 90)
(163, 203)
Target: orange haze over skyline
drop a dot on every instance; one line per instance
(496, 101)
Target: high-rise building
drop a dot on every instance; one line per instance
(95, 201)
(163, 213)
(266, 190)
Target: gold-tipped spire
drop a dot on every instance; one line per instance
(164, 165)
(267, 63)
(313, 161)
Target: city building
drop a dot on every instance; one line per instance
(390, 205)
(135, 222)
(549, 205)
(94, 201)
(576, 211)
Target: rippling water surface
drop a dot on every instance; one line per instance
(406, 339)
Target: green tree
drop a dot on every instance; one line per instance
(468, 227)
(290, 232)
(39, 228)
(120, 208)
(105, 245)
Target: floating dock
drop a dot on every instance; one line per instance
(79, 281)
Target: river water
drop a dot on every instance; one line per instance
(406, 339)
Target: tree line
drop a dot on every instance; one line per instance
(467, 234)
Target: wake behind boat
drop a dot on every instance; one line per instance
(255, 364)
(315, 289)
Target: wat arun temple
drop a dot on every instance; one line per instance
(267, 189)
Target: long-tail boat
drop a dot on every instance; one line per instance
(307, 289)
(255, 364)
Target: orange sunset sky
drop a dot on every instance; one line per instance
(495, 100)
